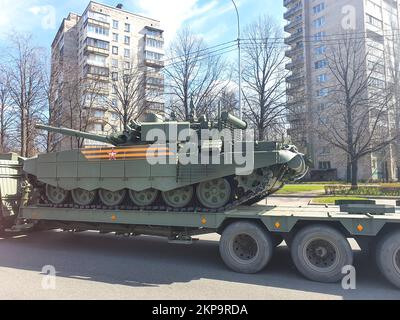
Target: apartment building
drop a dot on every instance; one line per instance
(100, 46)
(313, 25)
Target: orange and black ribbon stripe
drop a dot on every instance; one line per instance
(127, 153)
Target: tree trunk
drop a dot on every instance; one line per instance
(348, 173)
(24, 133)
(354, 174)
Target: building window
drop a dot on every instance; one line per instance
(115, 24)
(127, 40)
(319, 36)
(127, 65)
(115, 37)
(323, 92)
(319, 8)
(96, 60)
(114, 63)
(100, 44)
(321, 64)
(154, 43)
(114, 76)
(114, 116)
(115, 50)
(154, 55)
(98, 16)
(99, 71)
(322, 78)
(374, 21)
(127, 53)
(154, 33)
(98, 30)
(99, 114)
(127, 27)
(324, 165)
(320, 50)
(318, 23)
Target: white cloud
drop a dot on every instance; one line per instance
(13, 15)
(174, 13)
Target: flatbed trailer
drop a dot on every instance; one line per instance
(317, 236)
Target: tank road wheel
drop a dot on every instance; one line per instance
(112, 199)
(56, 195)
(388, 257)
(320, 253)
(246, 247)
(143, 198)
(214, 194)
(83, 197)
(178, 198)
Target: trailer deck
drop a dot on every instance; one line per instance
(276, 219)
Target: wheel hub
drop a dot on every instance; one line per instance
(214, 194)
(55, 194)
(321, 255)
(245, 247)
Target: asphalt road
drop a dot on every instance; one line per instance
(93, 266)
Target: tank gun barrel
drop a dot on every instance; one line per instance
(73, 133)
(234, 121)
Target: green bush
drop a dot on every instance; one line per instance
(363, 190)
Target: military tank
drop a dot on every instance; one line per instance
(122, 174)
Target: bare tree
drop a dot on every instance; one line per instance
(194, 73)
(25, 74)
(129, 88)
(7, 113)
(264, 75)
(229, 101)
(393, 58)
(355, 121)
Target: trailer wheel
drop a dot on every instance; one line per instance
(320, 252)
(388, 257)
(246, 247)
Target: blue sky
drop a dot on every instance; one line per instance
(215, 20)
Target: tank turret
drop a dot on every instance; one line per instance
(136, 133)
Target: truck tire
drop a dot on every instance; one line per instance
(388, 257)
(246, 247)
(320, 252)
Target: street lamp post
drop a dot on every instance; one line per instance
(239, 62)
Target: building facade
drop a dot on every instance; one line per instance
(90, 53)
(312, 26)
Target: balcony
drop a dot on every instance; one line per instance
(298, 63)
(154, 63)
(293, 118)
(287, 2)
(294, 37)
(292, 25)
(293, 11)
(98, 23)
(101, 51)
(295, 78)
(294, 52)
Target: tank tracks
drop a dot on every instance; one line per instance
(249, 198)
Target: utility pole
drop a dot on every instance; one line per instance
(239, 62)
